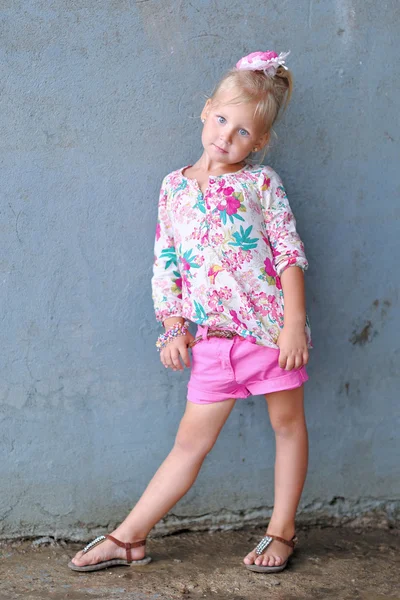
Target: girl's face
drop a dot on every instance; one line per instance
(230, 131)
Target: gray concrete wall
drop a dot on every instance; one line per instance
(98, 102)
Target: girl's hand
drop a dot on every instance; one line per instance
(292, 344)
(176, 351)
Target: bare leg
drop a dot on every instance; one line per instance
(197, 433)
(286, 411)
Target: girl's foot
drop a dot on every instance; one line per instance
(276, 554)
(107, 550)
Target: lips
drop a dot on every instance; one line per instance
(220, 149)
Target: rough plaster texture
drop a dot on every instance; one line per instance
(98, 102)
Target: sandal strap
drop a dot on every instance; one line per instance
(127, 545)
(291, 543)
(95, 542)
(268, 539)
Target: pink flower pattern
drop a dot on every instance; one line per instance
(230, 204)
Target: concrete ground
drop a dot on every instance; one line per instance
(339, 563)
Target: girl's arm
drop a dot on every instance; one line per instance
(287, 247)
(167, 287)
(292, 340)
(290, 261)
(292, 280)
(166, 281)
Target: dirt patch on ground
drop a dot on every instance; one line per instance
(329, 563)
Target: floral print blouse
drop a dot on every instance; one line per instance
(219, 256)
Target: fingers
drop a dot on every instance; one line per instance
(176, 363)
(165, 357)
(185, 356)
(282, 359)
(294, 360)
(290, 362)
(170, 359)
(172, 354)
(298, 360)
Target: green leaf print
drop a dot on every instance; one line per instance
(200, 204)
(243, 240)
(236, 216)
(201, 315)
(190, 259)
(182, 186)
(170, 255)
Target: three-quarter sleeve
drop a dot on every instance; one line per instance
(166, 282)
(286, 245)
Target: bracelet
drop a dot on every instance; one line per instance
(175, 331)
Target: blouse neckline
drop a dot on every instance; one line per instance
(246, 166)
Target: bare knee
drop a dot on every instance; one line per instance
(287, 422)
(286, 412)
(193, 442)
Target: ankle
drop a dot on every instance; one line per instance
(283, 530)
(127, 536)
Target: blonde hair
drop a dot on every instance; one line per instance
(271, 94)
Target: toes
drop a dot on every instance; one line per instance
(77, 560)
(249, 559)
(81, 560)
(265, 560)
(272, 561)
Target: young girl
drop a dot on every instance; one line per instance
(229, 259)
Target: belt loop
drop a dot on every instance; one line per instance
(204, 331)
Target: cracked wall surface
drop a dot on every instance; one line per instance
(98, 103)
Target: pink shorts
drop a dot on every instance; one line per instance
(236, 368)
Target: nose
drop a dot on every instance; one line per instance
(226, 135)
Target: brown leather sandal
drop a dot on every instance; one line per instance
(114, 561)
(263, 545)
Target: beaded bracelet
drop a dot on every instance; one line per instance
(175, 331)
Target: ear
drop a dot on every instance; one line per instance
(263, 140)
(206, 109)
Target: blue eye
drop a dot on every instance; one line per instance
(221, 120)
(243, 132)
